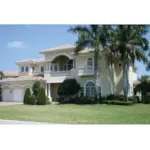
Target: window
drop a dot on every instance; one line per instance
(90, 89)
(42, 69)
(26, 68)
(90, 62)
(22, 69)
(82, 91)
(55, 68)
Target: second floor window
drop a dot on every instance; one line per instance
(22, 69)
(89, 62)
(42, 69)
(26, 68)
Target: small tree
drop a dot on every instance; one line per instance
(42, 97)
(26, 96)
(0, 93)
(69, 87)
(32, 100)
(36, 89)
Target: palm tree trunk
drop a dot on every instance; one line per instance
(96, 73)
(125, 78)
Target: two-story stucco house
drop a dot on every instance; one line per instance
(61, 63)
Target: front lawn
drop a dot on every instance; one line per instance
(86, 114)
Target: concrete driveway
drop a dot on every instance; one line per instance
(9, 103)
(23, 122)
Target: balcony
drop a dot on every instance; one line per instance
(60, 73)
(86, 71)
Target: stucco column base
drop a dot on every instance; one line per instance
(50, 99)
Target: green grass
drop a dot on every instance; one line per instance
(79, 114)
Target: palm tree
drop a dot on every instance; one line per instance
(94, 37)
(129, 42)
(143, 86)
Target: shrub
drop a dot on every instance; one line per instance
(133, 99)
(69, 87)
(36, 90)
(115, 97)
(0, 93)
(32, 100)
(26, 96)
(85, 100)
(146, 99)
(48, 102)
(118, 102)
(42, 97)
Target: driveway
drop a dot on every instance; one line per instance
(9, 103)
(24, 122)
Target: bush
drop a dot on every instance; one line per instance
(146, 99)
(75, 100)
(115, 97)
(0, 93)
(26, 96)
(118, 102)
(42, 97)
(85, 100)
(36, 89)
(48, 102)
(133, 99)
(32, 100)
(69, 87)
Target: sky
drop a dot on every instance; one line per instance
(19, 42)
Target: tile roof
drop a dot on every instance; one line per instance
(11, 73)
(23, 78)
(58, 48)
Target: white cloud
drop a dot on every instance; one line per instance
(15, 44)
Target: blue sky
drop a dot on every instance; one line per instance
(18, 42)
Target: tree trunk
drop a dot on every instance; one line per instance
(125, 78)
(96, 73)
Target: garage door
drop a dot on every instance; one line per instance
(17, 95)
(6, 95)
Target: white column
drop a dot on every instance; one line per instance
(46, 89)
(49, 90)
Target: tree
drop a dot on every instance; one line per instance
(69, 87)
(144, 86)
(36, 89)
(94, 37)
(26, 96)
(129, 43)
(1, 75)
(42, 97)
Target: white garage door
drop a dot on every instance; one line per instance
(17, 95)
(6, 95)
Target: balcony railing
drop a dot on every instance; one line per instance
(86, 71)
(61, 73)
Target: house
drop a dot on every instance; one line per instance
(61, 63)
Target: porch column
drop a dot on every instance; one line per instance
(49, 90)
(46, 89)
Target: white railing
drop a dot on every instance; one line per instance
(61, 73)
(86, 71)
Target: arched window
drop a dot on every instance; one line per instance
(89, 62)
(27, 69)
(22, 69)
(42, 69)
(90, 89)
